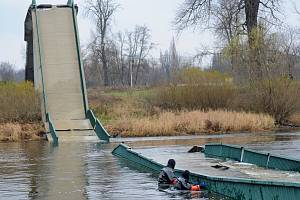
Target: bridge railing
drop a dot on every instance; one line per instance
(98, 127)
(40, 59)
(52, 129)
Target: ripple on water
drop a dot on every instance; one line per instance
(35, 170)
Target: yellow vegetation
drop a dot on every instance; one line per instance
(18, 103)
(194, 122)
(20, 115)
(295, 119)
(17, 132)
(133, 113)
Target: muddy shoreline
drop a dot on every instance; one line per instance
(23, 132)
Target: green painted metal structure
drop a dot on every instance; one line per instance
(40, 56)
(82, 77)
(242, 154)
(70, 3)
(233, 188)
(97, 126)
(48, 117)
(52, 130)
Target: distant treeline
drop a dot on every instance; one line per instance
(8, 72)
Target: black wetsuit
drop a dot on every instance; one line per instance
(182, 184)
(166, 178)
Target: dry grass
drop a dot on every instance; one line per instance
(295, 119)
(19, 103)
(194, 122)
(20, 115)
(15, 132)
(111, 106)
(130, 115)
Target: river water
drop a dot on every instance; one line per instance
(88, 170)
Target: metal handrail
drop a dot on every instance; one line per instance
(82, 78)
(47, 115)
(52, 129)
(70, 2)
(40, 57)
(98, 127)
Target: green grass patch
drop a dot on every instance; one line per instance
(137, 93)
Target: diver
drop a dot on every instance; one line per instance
(183, 183)
(167, 177)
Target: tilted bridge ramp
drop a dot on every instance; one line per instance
(54, 65)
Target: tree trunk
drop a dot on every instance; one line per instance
(105, 71)
(104, 61)
(251, 11)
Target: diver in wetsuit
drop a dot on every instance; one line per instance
(167, 177)
(182, 183)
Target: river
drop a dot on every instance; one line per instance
(88, 170)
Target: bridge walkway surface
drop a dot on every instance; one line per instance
(58, 72)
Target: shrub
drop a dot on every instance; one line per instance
(196, 89)
(192, 97)
(18, 103)
(279, 97)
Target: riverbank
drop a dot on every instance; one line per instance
(295, 120)
(191, 123)
(15, 132)
(131, 113)
(20, 115)
(127, 113)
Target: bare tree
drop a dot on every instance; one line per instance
(166, 64)
(121, 40)
(92, 66)
(203, 12)
(102, 12)
(139, 46)
(290, 48)
(7, 72)
(127, 55)
(228, 23)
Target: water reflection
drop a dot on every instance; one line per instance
(65, 173)
(36, 170)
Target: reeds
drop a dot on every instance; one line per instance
(20, 114)
(15, 132)
(19, 103)
(194, 122)
(295, 119)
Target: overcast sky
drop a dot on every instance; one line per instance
(156, 14)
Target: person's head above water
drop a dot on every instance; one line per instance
(186, 175)
(171, 163)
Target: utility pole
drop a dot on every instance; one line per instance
(131, 73)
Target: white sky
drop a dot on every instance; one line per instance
(156, 14)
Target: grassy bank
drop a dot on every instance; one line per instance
(20, 116)
(15, 132)
(138, 112)
(193, 122)
(134, 113)
(295, 119)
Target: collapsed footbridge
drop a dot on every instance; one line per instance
(54, 64)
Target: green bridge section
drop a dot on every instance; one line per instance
(54, 64)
